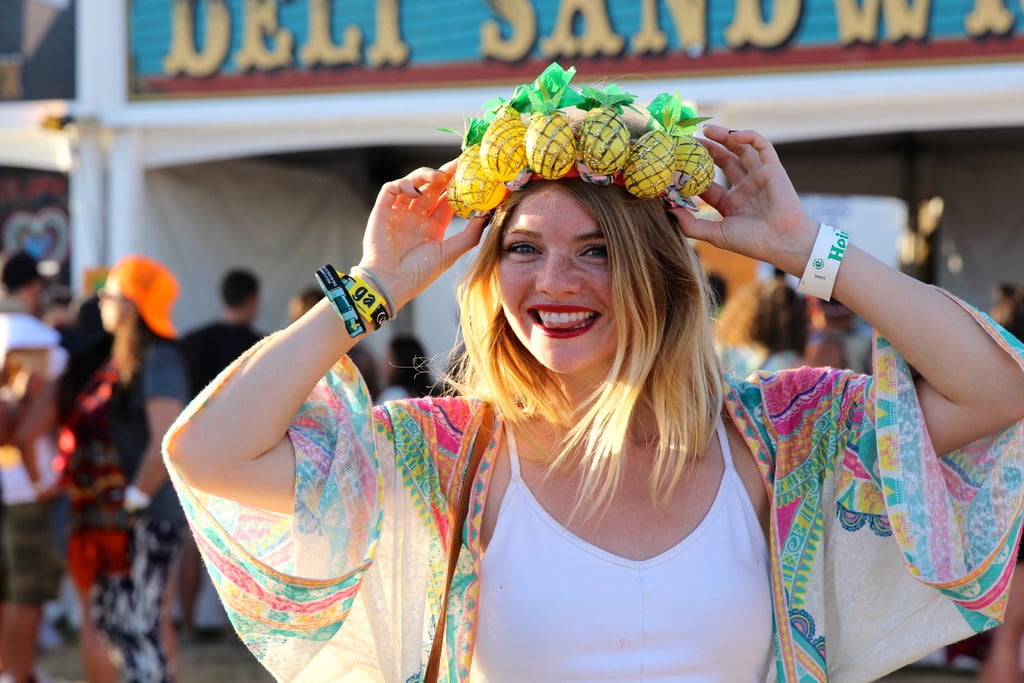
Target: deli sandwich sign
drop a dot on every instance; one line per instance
(193, 48)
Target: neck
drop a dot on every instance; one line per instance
(236, 316)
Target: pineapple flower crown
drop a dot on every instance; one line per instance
(549, 130)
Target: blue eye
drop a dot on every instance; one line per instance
(598, 250)
(521, 248)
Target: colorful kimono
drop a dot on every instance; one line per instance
(881, 552)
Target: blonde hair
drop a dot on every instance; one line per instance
(665, 360)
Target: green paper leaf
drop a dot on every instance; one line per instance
(474, 132)
(610, 97)
(552, 91)
(475, 129)
(495, 104)
(521, 99)
(689, 126)
(675, 117)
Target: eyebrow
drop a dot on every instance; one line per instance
(586, 237)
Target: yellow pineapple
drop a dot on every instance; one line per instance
(695, 165)
(460, 207)
(502, 154)
(471, 188)
(549, 141)
(550, 145)
(603, 135)
(692, 161)
(648, 170)
(604, 141)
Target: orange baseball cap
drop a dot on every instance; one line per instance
(149, 285)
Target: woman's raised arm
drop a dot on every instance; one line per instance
(968, 386)
(235, 445)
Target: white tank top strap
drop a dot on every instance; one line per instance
(723, 442)
(513, 456)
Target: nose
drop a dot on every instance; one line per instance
(558, 274)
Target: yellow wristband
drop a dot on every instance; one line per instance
(371, 305)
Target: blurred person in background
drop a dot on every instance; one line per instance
(780, 324)
(126, 523)
(406, 370)
(212, 347)
(23, 284)
(32, 566)
(302, 301)
(719, 290)
(834, 339)
(733, 333)
(88, 345)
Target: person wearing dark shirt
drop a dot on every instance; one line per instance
(212, 347)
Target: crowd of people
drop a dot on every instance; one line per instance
(87, 393)
(635, 424)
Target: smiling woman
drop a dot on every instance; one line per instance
(640, 488)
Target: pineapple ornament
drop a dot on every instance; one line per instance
(549, 142)
(502, 150)
(603, 135)
(471, 189)
(693, 162)
(695, 166)
(648, 170)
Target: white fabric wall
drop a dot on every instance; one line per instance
(282, 222)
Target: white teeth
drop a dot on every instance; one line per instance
(550, 319)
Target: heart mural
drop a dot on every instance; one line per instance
(45, 234)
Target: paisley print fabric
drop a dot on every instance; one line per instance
(881, 551)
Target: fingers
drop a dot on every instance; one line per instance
(714, 195)
(726, 160)
(422, 182)
(692, 226)
(738, 152)
(757, 143)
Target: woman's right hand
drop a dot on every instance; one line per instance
(404, 245)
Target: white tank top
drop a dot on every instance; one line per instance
(554, 607)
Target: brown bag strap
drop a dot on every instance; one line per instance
(480, 441)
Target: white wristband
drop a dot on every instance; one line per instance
(134, 499)
(822, 267)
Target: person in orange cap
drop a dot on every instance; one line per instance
(126, 523)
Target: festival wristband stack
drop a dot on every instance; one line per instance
(822, 267)
(356, 301)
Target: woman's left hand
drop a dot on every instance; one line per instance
(762, 216)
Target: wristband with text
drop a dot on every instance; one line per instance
(330, 280)
(372, 306)
(822, 267)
